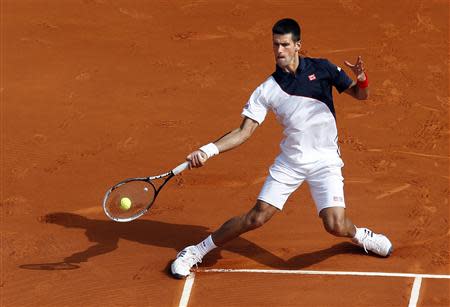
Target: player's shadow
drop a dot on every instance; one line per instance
(106, 234)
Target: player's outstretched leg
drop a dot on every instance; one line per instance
(336, 223)
(234, 227)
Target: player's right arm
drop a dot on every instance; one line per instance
(229, 141)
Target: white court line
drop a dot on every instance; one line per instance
(305, 272)
(415, 292)
(187, 290)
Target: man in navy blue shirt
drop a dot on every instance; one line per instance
(299, 92)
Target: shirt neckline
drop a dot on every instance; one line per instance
(301, 67)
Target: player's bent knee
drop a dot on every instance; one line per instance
(334, 222)
(335, 227)
(253, 222)
(259, 215)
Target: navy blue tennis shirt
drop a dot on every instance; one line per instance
(303, 104)
(314, 78)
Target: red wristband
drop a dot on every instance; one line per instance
(363, 84)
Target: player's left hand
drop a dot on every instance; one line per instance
(357, 68)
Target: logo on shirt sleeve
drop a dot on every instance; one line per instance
(312, 77)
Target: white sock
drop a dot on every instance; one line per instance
(359, 235)
(206, 246)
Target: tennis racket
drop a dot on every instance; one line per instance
(133, 197)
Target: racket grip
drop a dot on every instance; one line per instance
(183, 166)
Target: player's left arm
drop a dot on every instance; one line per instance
(358, 89)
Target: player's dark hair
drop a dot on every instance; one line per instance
(286, 26)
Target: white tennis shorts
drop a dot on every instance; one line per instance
(324, 179)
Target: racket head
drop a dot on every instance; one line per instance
(140, 191)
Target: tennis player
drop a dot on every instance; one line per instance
(299, 92)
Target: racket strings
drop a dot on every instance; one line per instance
(140, 195)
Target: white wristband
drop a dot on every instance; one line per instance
(210, 150)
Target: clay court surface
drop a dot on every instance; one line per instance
(95, 91)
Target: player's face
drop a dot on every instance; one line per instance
(285, 49)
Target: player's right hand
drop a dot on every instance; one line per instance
(197, 159)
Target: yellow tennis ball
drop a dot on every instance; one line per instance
(125, 203)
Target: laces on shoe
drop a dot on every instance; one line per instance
(189, 257)
(368, 233)
(372, 242)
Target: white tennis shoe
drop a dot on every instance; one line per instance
(376, 243)
(186, 259)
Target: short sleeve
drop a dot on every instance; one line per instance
(256, 107)
(339, 79)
